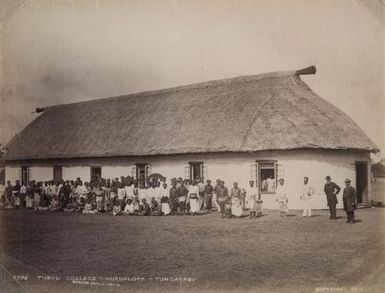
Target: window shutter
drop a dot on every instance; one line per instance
(148, 170)
(203, 171)
(28, 174)
(253, 172)
(187, 172)
(279, 171)
(133, 173)
(20, 171)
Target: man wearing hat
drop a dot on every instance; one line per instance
(331, 190)
(349, 198)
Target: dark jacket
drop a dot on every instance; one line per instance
(349, 198)
(331, 190)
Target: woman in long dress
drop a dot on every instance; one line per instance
(236, 200)
(193, 198)
(236, 206)
(164, 200)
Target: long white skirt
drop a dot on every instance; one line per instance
(236, 210)
(194, 205)
(165, 208)
(28, 202)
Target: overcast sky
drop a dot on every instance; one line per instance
(65, 51)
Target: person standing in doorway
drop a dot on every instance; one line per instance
(331, 190)
(307, 193)
(349, 198)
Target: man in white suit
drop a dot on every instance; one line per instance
(306, 195)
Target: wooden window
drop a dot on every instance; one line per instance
(142, 170)
(57, 173)
(96, 173)
(196, 170)
(24, 175)
(267, 176)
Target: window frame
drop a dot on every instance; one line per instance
(55, 168)
(146, 167)
(24, 172)
(95, 168)
(201, 169)
(259, 167)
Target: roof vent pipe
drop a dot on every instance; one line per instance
(307, 70)
(39, 110)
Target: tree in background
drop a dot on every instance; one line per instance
(2, 163)
(378, 169)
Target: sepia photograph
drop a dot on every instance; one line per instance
(192, 146)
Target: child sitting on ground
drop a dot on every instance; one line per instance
(155, 208)
(136, 206)
(54, 206)
(89, 208)
(144, 208)
(72, 205)
(117, 209)
(80, 205)
(129, 208)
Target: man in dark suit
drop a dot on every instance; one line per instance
(349, 198)
(331, 190)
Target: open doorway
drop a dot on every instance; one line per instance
(361, 180)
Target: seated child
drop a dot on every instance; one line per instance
(136, 206)
(144, 208)
(129, 208)
(88, 207)
(55, 205)
(155, 208)
(117, 210)
(166, 210)
(80, 205)
(72, 205)
(44, 204)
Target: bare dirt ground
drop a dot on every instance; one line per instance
(131, 254)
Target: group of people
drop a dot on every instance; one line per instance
(331, 190)
(127, 196)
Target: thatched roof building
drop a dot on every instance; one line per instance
(271, 111)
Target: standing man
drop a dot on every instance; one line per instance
(220, 192)
(217, 191)
(182, 197)
(281, 198)
(209, 189)
(331, 190)
(201, 190)
(173, 198)
(349, 198)
(307, 193)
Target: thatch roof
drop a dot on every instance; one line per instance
(271, 111)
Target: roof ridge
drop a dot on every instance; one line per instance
(193, 86)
